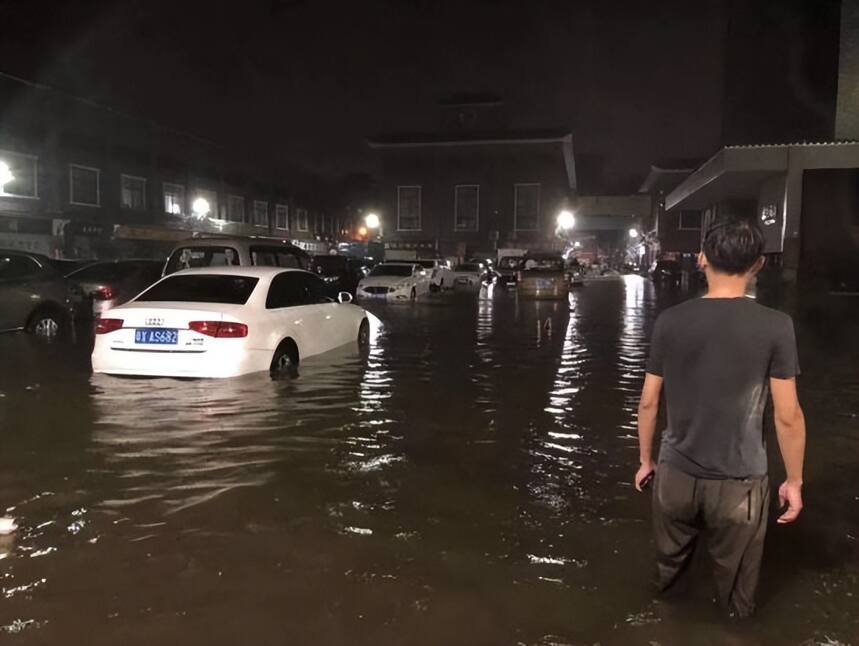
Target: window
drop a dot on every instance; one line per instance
(303, 224)
(526, 207)
(15, 266)
(264, 256)
(133, 193)
(174, 199)
(295, 288)
(408, 208)
(83, 185)
(211, 197)
(24, 171)
(190, 257)
(235, 208)
(690, 221)
(289, 259)
(281, 216)
(260, 213)
(466, 207)
(769, 214)
(232, 290)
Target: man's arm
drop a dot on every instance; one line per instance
(790, 430)
(648, 409)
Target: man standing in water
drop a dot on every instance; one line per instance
(717, 357)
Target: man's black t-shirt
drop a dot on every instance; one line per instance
(716, 356)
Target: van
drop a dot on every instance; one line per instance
(238, 251)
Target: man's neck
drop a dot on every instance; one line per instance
(726, 286)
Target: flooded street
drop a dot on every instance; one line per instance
(467, 481)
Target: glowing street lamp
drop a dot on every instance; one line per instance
(200, 208)
(6, 176)
(372, 221)
(566, 220)
(633, 233)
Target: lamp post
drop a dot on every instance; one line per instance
(6, 176)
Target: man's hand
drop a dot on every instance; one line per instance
(644, 470)
(790, 494)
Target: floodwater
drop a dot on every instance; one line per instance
(465, 482)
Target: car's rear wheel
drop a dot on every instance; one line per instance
(284, 363)
(47, 323)
(364, 334)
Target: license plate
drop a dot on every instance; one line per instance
(158, 336)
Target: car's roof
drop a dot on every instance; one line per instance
(399, 262)
(24, 252)
(251, 272)
(211, 241)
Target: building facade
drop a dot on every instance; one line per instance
(463, 195)
(78, 179)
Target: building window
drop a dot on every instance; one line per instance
(281, 216)
(174, 199)
(408, 208)
(83, 185)
(133, 193)
(24, 174)
(466, 207)
(526, 207)
(260, 213)
(301, 215)
(690, 221)
(235, 208)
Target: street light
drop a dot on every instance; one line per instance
(200, 208)
(566, 220)
(372, 221)
(6, 176)
(633, 233)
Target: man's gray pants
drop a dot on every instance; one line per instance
(731, 515)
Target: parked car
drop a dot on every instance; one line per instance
(237, 251)
(340, 273)
(224, 322)
(34, 296)
(508, 270)
(105, 285)
(470, 275)
(397, 281)
(667, 272)
(544, 276)
(439, 273)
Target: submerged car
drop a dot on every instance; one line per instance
(667, 273)
(439, 273)
(34, 296)
(226, 322)
(470, 274)
(508, 270)
(544, 276)
(340, 273)
(396, 281)
(108, 284)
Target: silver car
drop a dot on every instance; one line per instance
(34, 296)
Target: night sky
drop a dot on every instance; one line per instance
(309, 81)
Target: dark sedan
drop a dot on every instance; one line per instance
(111, 283)
(34, 295)
(340, 273)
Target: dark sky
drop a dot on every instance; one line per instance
(635, 82)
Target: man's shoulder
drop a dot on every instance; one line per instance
(679, 311)
(770, 315)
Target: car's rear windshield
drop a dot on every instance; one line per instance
(510, 262)
(392, 270)
(328, 264)
(202, 288)
(467, 267)
(114, 270)
(201, 256)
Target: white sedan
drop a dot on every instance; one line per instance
(397, 281)
(224, 322)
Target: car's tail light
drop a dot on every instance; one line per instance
(220, 329)
(106, 326)
(104, 293)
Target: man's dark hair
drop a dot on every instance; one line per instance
(733, 246)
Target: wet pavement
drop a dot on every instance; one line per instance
(465, 482)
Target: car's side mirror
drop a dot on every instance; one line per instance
(344, 298)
